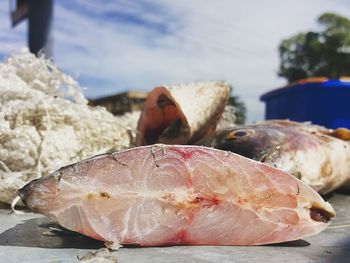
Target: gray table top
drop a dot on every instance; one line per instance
(27, 238)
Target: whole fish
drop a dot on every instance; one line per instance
(318, 156)
(181, 114)
(192, 195)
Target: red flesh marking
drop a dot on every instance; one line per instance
(185, 154)
(205, 201)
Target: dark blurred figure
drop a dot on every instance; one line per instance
(40, 14)
(40, 20)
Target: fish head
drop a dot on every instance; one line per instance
(38, 193)
(253, 141)
(161, 120)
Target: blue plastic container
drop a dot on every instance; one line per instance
(325, 102)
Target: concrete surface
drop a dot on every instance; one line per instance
(28, 238)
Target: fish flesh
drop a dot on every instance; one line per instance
(164, 195)
(181, 114)
(318, 156)
(192, 195)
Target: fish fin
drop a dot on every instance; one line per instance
(340, 133)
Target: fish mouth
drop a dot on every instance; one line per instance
(37, 192)
(26, 191)
(172, 129)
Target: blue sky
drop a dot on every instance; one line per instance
(140, 44)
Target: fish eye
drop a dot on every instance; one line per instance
(239, 134)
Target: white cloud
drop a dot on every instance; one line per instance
(180, 41)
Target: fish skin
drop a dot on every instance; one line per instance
(190, 195)
(318, 156)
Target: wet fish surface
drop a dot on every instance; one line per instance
(191, 195)
(318, 156)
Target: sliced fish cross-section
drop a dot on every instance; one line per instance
(193, 195)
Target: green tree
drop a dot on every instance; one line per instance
(240, 109)
(312, 54)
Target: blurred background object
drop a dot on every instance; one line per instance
(121, 103)
(40, 18)
(323, 53)
(240, 109)
(315, 63)
(318, 100)
(118, 45)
